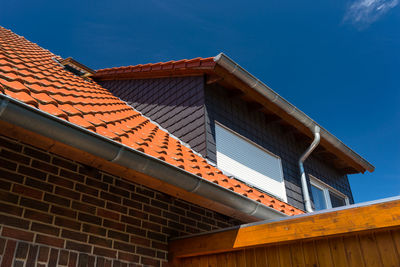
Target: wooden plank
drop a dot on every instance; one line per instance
(273, 256)
(324, 254)
(231, 259)
(310, 255)
(250, 257)
(261, 257)
(370, 250)
(340, 222)
(338, 252)
(396, 239)
(353, 251)
(285, 258)
(387, 248)
(241, 258)
(212, 260)
(296, 251)
(204, 261)
(221, 260)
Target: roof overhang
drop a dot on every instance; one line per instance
(223, 69)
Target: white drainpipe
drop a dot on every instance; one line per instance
(314, 144)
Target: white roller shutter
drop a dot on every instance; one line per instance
(249, 163)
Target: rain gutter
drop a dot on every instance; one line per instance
(32, 119)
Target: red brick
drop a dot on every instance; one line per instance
(63, 257)
(140, 241)
(31, 172)
(72, 259)
(83, 207)
(43, 253)
(89, 218)
(8, 164)
(34, 204)
(10, 209)
(57, 200)
(65, 164)
(61, 181)
(38, 216)
(27, 191)
(94, 229)
(119, 191)
(107, 214)
(110, 197)
(130, 220)
(5, 185)
(113, 225)
(77, 236)
(86, 189)
(10, 144)
(11, 176)
(92, 200)
(17, 234)
(145, 251)
(49, 240)
(118, 235)
(105, 252)
(128, 257)
(2, 245)
(44, 166)
(45, 228)
(22, 250)
(63, 211)
(96, 183)
(8, 256)
(67, 193)
(151, 262)
(39, 184)
(124, 246)
(13, 221)
(64, 222)
(116, 207)
(151, 226)
(78, 246)
(36, 154)
(72, 175)
(123, 184)
(14, 156)
(100, 241)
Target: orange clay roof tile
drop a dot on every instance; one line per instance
(32, 75)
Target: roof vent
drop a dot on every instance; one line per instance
(76, 68)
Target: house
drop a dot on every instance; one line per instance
(99, 168)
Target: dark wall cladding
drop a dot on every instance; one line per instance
(235, 114)
(177, 104)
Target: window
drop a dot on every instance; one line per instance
(326, 197)
(249, 162)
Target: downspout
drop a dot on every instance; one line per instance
(304, 186)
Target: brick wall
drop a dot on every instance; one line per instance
(57, 211)
(252, 124)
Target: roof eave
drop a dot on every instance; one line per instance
(235, 69)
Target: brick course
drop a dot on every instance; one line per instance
(59, 212)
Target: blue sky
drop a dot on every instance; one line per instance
(338, 61)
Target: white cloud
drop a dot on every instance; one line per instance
(364, 12)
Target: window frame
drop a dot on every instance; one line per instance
(285, 196)
(326, 189)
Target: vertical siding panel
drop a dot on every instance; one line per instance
(297, 254)
(212, 260)
(241, 258)
(387, 248)
(324, 253)
(204, 261)
(195, 262)
(310, 256)
(231, 259)
(370, 250)
(273, 256)
(261, 257)
(353, 251)
(250, 257)
(221, 260)
(338, 252)
(284, 256)
(396, 239)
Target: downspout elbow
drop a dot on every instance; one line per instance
(314, 144)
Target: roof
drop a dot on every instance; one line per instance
(223, 69)
(33, 75)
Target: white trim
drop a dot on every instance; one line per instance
(326, 189)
